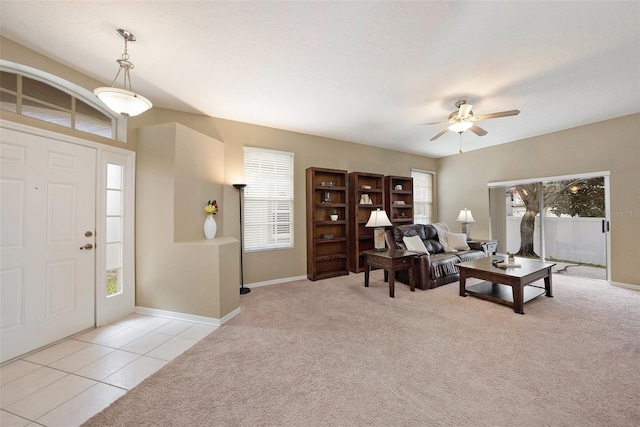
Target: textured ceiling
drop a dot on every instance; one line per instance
(364, 72)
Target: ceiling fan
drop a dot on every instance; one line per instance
(462, 120)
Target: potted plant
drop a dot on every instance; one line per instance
(510, 258)
(334, 215)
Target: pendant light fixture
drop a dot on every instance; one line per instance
(124, 101)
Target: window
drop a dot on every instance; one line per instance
(114, 229)
(268, 199)
(423, 192)
(41, 100)
(115, 235)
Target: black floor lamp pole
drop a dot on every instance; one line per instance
(243, 290)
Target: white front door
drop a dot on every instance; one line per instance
(47, 259)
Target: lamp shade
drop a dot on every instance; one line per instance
(123, 101)
(465, 216)
(378, 218)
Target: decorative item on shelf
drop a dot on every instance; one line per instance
(326, 236)
(466, 218)
(379, 220)
(327, 183)
(334, 215)
(399, 202)
(210, 226)
(365, 199)
(326, 197)
(398, 187)
(366, 187)
(123, 101)
(243, 290)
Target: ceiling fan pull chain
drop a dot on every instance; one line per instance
(460, 150)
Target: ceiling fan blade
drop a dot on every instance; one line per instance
(495, 115)
(478, 130)
(442, 132)
(434, 123)
(464, 110)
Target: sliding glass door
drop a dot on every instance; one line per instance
(559, 219)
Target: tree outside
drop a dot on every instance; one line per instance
(575, 198)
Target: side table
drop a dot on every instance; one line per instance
(489, 247)
(391, 260)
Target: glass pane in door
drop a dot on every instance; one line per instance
(574, 211)
(114, 229)
(515, 219)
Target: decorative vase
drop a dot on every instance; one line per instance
(210, 227)
(511, 260)
(334, 217)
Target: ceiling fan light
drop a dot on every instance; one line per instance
(460, 126)
(123, 101)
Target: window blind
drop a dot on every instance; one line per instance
(268, 199)
(422, 196)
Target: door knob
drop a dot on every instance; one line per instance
(88, 247)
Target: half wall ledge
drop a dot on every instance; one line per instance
(199, 277)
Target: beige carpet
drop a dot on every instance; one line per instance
(333, 353)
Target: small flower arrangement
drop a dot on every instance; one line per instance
(211, 208)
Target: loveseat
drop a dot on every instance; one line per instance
(437, 267)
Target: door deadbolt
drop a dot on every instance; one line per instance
(88, 234)
(88, 247)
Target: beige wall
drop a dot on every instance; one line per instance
(177, 270)
(198, 177)
(308, 150)
(612, 145)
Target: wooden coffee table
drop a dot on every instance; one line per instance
(391, 260)
(499, 280)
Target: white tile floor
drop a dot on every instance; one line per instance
(68, 383)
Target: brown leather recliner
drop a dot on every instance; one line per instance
(436, 268)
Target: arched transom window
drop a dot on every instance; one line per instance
(34, 97)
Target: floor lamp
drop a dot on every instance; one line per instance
(243, 290)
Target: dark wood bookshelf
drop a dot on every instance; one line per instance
(362, 184)
(327, 240)
(399, 200)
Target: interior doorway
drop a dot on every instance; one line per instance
(560, 219)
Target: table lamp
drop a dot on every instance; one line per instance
(379, 220)
(466, 218)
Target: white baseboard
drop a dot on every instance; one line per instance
(275, 281)
(188, 317)
(626, 286)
